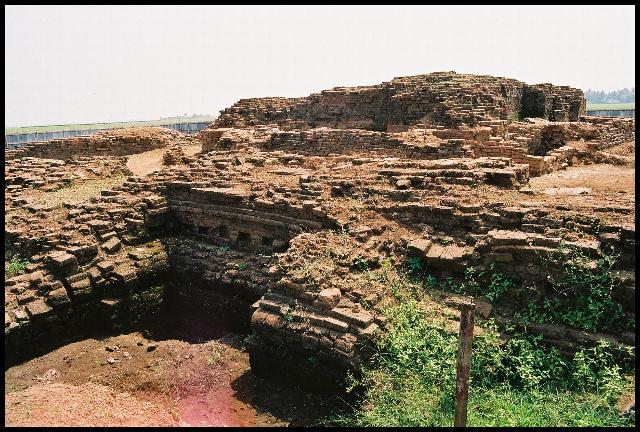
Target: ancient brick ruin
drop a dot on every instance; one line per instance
(119, 142)
(268, 221)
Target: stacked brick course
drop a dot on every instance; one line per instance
(441, 98)
(269, 221)
(117, 142)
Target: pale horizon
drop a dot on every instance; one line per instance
(84, 64)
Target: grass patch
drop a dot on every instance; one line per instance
(81, 191)
(14, 266)
(14, 261)
(515, 380)
(610, 106)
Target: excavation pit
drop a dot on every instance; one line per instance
(281, 237)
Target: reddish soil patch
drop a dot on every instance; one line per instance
(56, 404)
(124, 381)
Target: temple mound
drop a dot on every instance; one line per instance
(273, 221)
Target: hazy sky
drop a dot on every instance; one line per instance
(70, 64)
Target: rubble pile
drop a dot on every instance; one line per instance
(270, 220)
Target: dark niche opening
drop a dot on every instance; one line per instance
(223, 231)
(533, 103)
(243, 238)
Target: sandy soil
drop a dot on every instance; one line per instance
(601, 179)
(143, 164)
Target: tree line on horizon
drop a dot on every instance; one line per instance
(624, 95)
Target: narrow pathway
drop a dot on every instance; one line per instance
(143, 164)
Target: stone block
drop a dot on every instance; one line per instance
(112, 245)
(63, 260)
(106, 267)
(266, 321)
(501, 257)
(360, 318)
(403, 184)
(58, 298)
(329, 296)
(418, 247)
(38, 309)
(124, 273)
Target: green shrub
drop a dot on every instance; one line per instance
(515, 380)
(583, 294)
(15, 266)
(490, 283)
(361, 264)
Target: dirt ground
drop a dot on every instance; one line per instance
(143, 164)
(601, 179)
(604, 190)
(133, 380)
(626, 149)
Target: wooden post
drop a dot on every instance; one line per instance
(463, 363)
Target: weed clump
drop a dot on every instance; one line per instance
(583, 293)
(515, 379)
(15, 266)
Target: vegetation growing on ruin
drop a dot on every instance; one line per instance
(515, 380)
(82, 191)
(14, 263)
(490, 283)
(583, 290)
(517, 116)
(14, 266)
(583, 293)
(146, 303)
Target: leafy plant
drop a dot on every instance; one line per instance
(15, 266)
(361, 264)
(415, 263)
(583, 293)
(515, 379)
(288, 316)
(490, 283)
